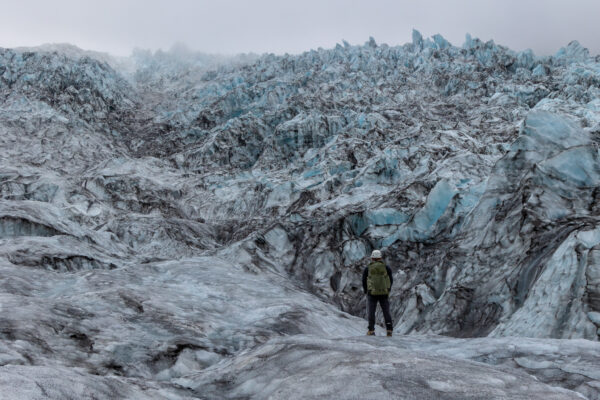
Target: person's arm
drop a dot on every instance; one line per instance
(364, 279)
(389, 271)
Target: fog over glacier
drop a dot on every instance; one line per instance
(275, 26)
(177, 225)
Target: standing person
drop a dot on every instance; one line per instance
(377, 282)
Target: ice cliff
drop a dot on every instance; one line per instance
(177, 225)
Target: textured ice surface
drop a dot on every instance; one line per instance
(175, 224)
(379, 368)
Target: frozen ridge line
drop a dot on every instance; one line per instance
(177, 225)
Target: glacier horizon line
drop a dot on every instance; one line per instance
(436, 41)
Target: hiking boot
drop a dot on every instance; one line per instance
(389, 332)
(370, 333)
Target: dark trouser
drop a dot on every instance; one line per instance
(385, 307)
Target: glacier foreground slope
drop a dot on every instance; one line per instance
(175, 225)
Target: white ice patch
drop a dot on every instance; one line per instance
(354, 250)
(282, 248)
(579, 166)
(561, 282)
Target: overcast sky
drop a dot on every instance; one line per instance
(279, 26)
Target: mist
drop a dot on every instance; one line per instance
(231, 27)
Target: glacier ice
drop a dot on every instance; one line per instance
(178, 225)
(318, 368)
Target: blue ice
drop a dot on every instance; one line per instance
(540, 70)
(437, 202)
(546, 128)
(440, 41)
(579, 165)
(385, 216)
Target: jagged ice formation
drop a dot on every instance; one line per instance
(175, 225)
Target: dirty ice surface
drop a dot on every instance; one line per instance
(176, 225)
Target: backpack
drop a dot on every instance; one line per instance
(378, 280)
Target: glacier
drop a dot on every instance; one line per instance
(178, 225)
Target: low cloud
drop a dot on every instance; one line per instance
(258, 26)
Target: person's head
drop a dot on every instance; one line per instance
(376, 255)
